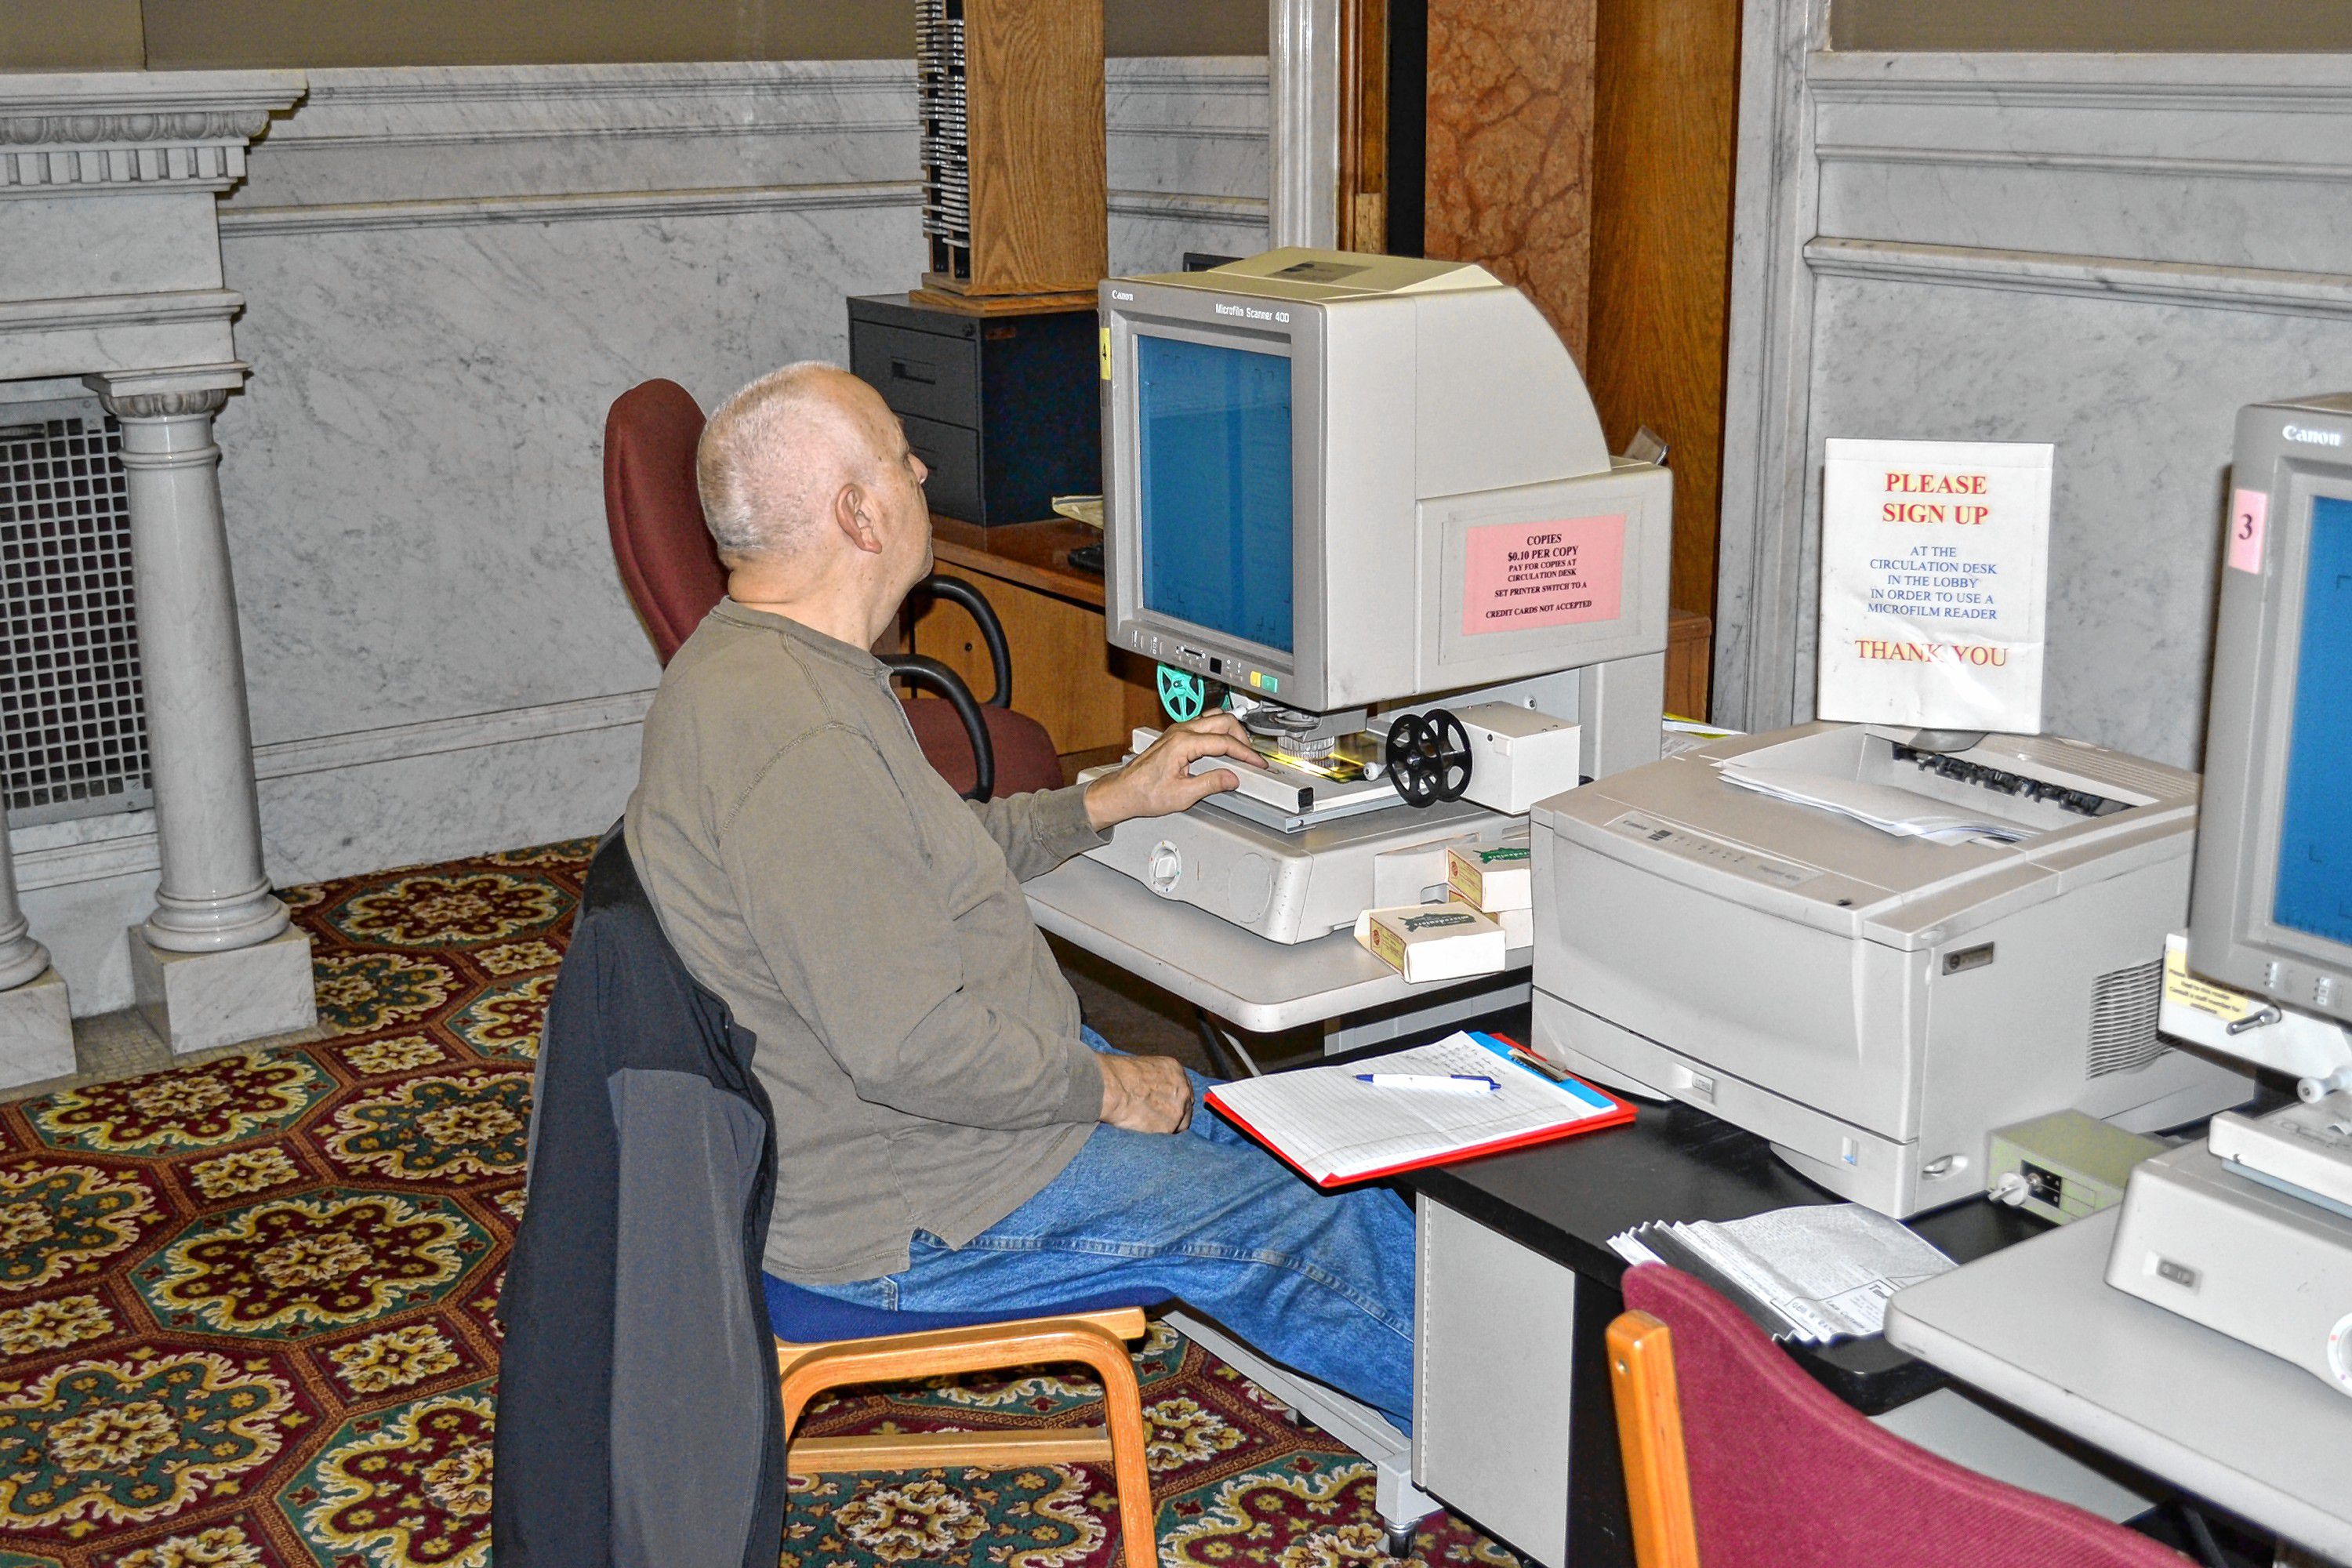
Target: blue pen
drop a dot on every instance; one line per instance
(1444, 1083)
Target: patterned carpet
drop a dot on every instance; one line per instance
(248, 1307)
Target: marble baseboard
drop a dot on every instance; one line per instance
(35, 1031)
(434, 807)
(199, 1000)
(354, 817)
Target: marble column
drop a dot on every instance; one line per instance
(214, 961)
(35, 1023)
(21, 958)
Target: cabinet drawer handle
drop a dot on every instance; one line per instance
(913, 369)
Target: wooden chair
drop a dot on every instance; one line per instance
(1726, 1440)
(1096, 1339)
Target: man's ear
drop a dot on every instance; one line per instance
(853, 513)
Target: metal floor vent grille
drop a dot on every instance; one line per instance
(943, 106)
(2123, 1004)
(73, 718)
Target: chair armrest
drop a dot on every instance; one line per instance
(915, 670)
(991, 630)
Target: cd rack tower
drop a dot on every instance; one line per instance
(1010, 100)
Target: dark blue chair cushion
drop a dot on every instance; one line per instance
(805, 1317)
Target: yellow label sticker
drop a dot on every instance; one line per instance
(1102, 344)
(1463, 879)
(1388, 946)
(2183, 989)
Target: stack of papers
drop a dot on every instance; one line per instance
(1334, 1129)
(1890, 810)
(1816, 1273)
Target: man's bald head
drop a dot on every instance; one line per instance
(775, 454)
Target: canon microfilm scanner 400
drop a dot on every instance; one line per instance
(1876, 1004)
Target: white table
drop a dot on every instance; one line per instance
(1253, 983)
(2037, 1325)
(1264, 986)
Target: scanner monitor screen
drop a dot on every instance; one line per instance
(1213, 450)
(2312, 892)
(1331, 481)
(2270, 907)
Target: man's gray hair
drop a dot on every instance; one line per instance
(772, 459)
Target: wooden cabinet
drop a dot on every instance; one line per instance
(1690, 656)
(1065, 674)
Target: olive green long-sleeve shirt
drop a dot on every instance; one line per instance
(915, 1035)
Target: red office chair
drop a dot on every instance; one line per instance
(672, 573)
(1733, 1455)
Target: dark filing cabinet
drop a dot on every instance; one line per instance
(1004, 410)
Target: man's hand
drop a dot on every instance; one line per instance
(1160, 781)
(1146, 1094)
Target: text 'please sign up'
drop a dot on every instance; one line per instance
(1935, 556)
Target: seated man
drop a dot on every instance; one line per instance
(949, 1136)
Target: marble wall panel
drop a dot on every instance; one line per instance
(70, 246)
(2109, 253)
(1510, 155)
(2241, 166)
(420, 446)
(453, 132)
(449, 274)
(2141, 401)
(1158, 241)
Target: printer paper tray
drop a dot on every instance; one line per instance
(1851, 1162)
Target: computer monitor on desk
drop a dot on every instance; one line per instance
(2271, 906)
(1353, 488)
(1336, 481)
(2249, 1230)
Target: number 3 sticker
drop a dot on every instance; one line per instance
(2249, 510)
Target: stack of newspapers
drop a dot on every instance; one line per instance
(1816, 1273)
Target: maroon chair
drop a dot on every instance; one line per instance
(1734, 1459)
(671, 570)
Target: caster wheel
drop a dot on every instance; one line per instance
(1397, 1541)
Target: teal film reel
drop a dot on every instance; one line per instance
(1183, 694)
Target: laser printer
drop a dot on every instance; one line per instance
(1871, 951)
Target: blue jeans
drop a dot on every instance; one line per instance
(1321, 1282)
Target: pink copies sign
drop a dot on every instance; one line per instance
(1518, 575)
(2249, 510)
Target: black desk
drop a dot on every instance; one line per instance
(1566, 1200)
(1563, 1201)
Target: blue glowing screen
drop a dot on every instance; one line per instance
(1213, 428)
(2315, 861)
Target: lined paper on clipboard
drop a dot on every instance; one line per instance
(1336, 1129)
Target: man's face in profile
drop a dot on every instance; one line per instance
(903, 515)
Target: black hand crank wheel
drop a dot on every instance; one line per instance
(1429, 757)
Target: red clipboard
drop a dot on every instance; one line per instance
(1622, 1113)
